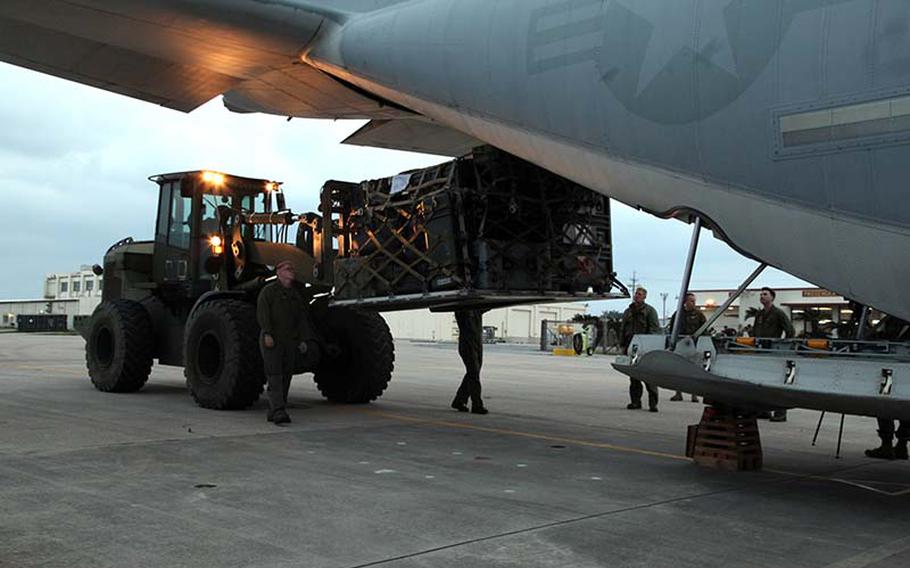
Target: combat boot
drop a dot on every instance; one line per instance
(280, 416)
(477, 406)
(900, 449)
(885, 451)
(676, 397)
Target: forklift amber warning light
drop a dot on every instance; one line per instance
(217, 245)
(213, 178)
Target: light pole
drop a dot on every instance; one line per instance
(663, 297)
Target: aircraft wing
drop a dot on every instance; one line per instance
(182, 53)
(413, 135)
(302, 91)
(95, 63)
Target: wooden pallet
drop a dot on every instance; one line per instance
(725, 440)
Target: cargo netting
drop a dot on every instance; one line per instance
(487, 224)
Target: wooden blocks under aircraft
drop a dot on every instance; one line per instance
(725, 439)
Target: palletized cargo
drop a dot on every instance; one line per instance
(487, 226)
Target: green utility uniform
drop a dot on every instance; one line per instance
(470, 348)
(692, 321)
(886, 433)
(892, 329)
(284, 313)
(639, 320)
(772, 322)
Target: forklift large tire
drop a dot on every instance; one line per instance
(223, 365)
(578, 344)
(361, 369)
(119, 348)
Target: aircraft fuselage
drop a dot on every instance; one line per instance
(783, 123)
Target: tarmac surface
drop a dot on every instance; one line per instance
(559, 474)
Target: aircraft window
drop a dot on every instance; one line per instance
(178, 234)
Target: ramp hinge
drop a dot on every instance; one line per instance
(887, 382)
(790, 372)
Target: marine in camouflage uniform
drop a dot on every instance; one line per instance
(892, 329)
(639, 318)
(693, 319)
(772, 322)
(288, 335)
(470, 348)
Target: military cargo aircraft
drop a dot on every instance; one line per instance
(781, 125)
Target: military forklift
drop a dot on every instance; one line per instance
(188, 298)
(486, 230)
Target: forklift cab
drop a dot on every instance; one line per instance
(193, 224)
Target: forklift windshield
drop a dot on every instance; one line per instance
(240, 194)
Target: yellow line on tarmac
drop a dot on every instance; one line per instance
(532, 435)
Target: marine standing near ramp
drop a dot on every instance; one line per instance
(470, 347)
(284, 315)
(886, 432)
(892, 329)
(771, 321)
(639, 317)
(693, 319)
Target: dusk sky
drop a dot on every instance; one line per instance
(74, 163)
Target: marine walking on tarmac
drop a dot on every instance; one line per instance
(287, 338)
(693, 319)
(639, 318)
(470, 348)
(772, 322)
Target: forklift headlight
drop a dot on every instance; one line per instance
(217, 245)
(213, 178)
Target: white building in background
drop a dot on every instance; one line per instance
(73, 285)
(520, 324)
(83, 286)
(69, 293)
(804, 306)
(78, 293)
(11, 309)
